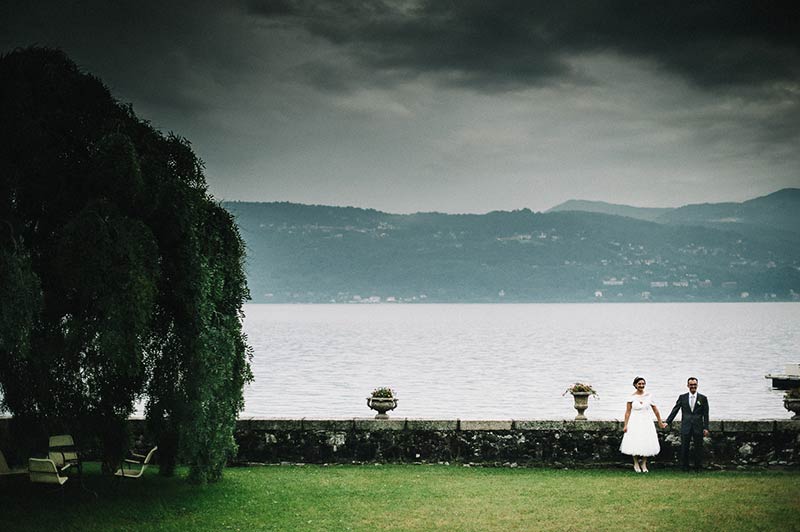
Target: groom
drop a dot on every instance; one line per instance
(694, 424)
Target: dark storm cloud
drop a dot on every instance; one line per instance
(744, 51)
(487, 46)
(154, 52)
(505, 43)
(485, 105)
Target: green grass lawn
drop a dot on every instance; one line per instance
(412, 497)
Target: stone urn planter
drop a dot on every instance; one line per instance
(792, 404)
(581, 403)
(382, 405)
(382, 400)
(580, 393)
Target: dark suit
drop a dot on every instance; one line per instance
(693, 423)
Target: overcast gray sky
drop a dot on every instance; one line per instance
(452, 106)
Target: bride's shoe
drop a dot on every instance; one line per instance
(644, 469)
(636, 467)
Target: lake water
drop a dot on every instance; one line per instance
(514, 361)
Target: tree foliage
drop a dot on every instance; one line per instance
(121, 279)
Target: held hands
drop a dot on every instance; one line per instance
(705, 433)
(625, 428)
(662, 424)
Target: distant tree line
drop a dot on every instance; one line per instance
(120, 278)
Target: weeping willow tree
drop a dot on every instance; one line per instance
(120, 278)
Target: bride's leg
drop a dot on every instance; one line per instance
(644, 464)
(636, 464)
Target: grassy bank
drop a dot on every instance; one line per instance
(409, 497)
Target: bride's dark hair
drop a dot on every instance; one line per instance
(637, 379)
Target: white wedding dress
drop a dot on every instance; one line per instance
(641, 438)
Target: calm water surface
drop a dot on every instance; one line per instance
(514, 361)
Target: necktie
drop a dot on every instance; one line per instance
(691, 402)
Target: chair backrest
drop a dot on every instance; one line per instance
(44, 470)
(62, 440)
(62, 449)
(149, 456)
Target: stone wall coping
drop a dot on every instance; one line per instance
(432, 424)
(379, 424)
(788, 424)
(493, 425)
(487, 424)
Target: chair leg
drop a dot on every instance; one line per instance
(56, 489)
(84, 488)
(59, 489)
(83, 484)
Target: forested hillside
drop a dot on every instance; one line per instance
(301, 253)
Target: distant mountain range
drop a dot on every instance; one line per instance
(778, 210)
(577, 251)
(641, 213)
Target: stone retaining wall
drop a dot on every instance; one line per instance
(731, 444)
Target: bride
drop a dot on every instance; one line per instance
(640, 438)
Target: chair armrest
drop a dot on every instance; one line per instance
(138, 455)
(137, 462)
